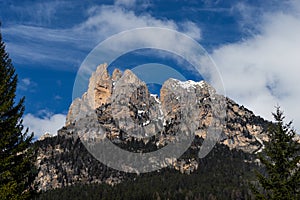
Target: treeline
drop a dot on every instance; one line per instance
(223, 174)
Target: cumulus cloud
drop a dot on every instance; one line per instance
(41, 125)
(263, 71)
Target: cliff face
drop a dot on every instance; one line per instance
(120, 108)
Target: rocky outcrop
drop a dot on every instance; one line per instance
(98, 93)
(244, 130)
(100, 87)
(46, 135)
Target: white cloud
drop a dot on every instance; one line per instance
(26, 81)
(26, 84)
(105, 21)
(191, 29)
(263, 71)
(45, 124)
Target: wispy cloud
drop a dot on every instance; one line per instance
(100, 22)
(45, 44)
(126, 3)
(133, 3)
(26, 84)
(57, 97)
(250, 16)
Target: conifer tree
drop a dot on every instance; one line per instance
(281, 160)
(16, 161)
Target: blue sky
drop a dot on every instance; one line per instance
(255, 45)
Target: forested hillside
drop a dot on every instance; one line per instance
(223, 174)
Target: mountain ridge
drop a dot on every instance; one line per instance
(101, 90)
(157, 118)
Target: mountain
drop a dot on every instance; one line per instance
(120, 108)
(240, 128)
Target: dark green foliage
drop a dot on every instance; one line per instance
(280, 158)
(223, 174)
(75, 158)
(15, 154)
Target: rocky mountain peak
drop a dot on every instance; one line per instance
(130, 77)
(100, 87)
(150, 114)
(116, 75)
(121, 106)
